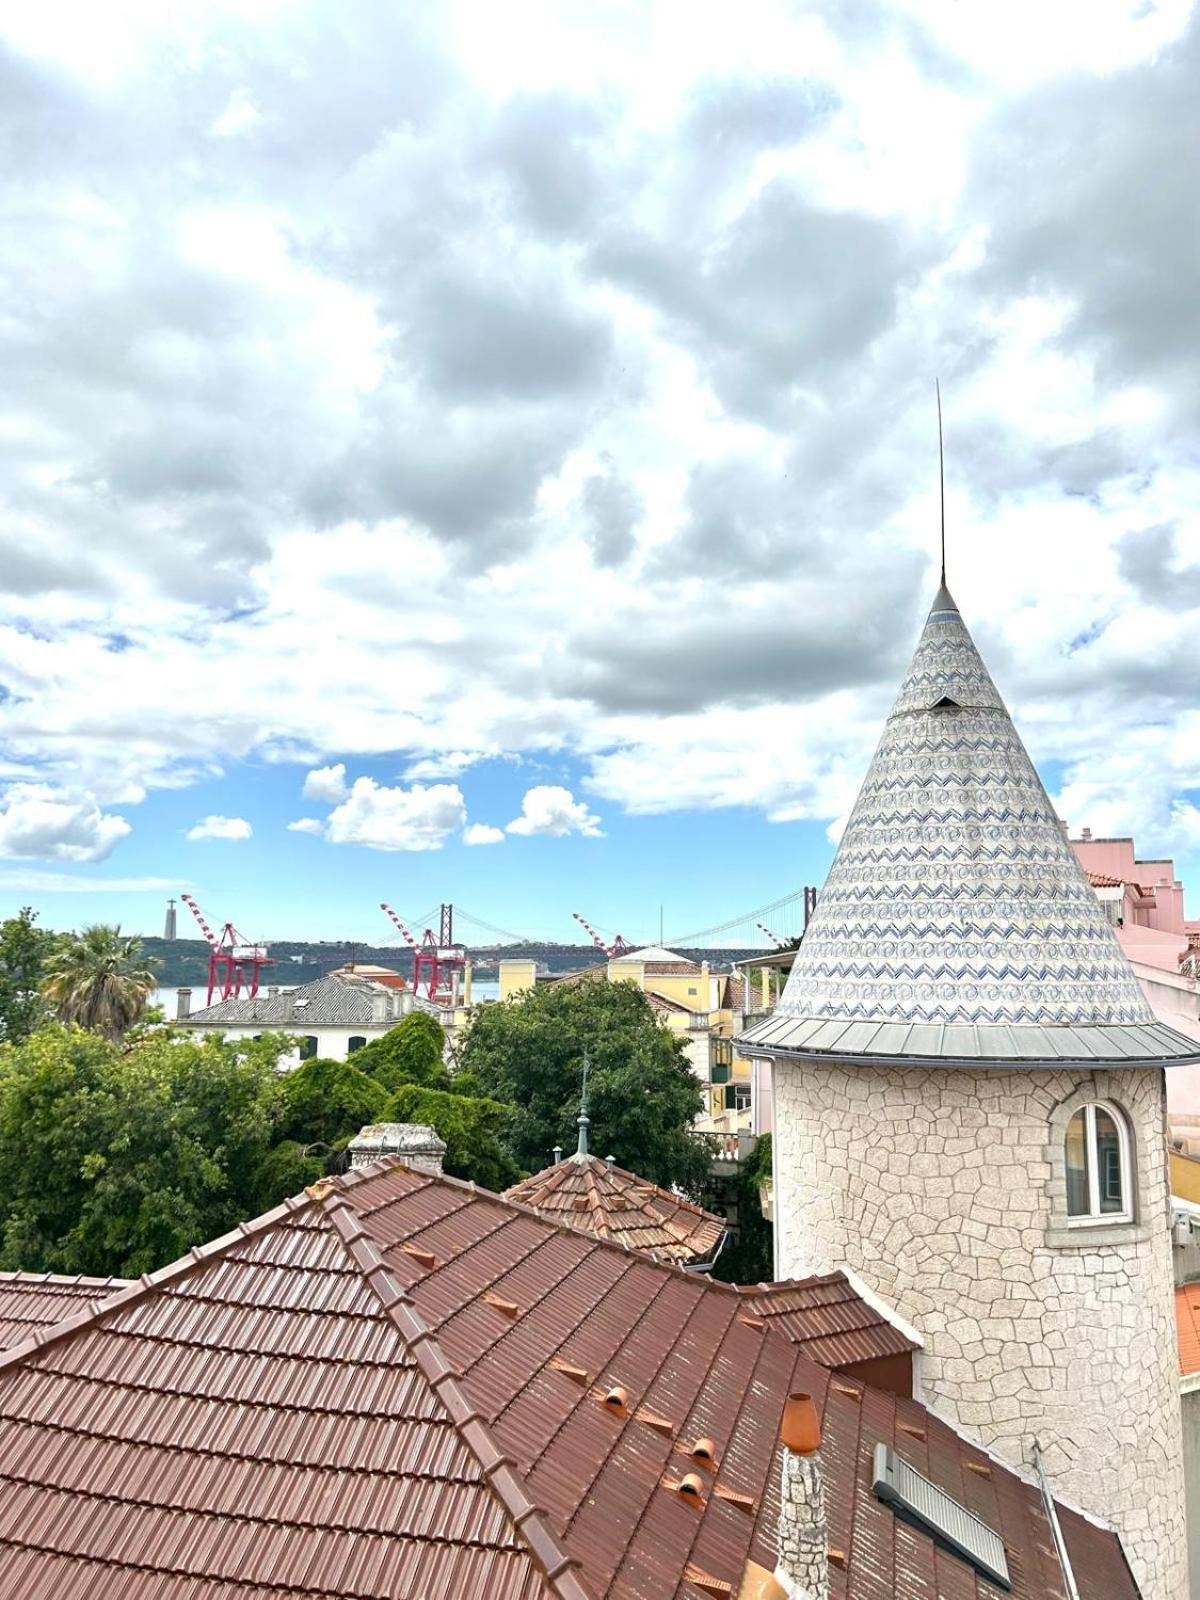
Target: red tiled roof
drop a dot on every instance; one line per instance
(586, 1193)
(1187, 1325)
(830, 1322)
(33, 1300)
(1102, 880)
(394, 1387)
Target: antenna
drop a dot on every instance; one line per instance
(941, 475)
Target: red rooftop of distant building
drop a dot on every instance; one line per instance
(587, 1193)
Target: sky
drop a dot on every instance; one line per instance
(488, 454)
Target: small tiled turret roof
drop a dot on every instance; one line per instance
(956, 923)
(589, 1194)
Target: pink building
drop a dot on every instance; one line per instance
(1144, 901)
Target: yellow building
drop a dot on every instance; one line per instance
(695, 1001)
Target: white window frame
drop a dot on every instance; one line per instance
(1094, 1217)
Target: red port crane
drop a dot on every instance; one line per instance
(437, 961)
(617, 948)
(233, 960)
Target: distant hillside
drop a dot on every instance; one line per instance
(184, 962)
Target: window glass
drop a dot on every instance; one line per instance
(1078, 1202)
(356, 1043)
(1108, 1163)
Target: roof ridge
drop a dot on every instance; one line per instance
(498, 1469)
(197, 1257)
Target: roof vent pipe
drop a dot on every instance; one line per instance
(557, 1154)
(802, 1566)
(610, 1162)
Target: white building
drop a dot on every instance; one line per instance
(969, 1107)
(334, 1017)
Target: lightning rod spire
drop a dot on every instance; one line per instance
(941, 475)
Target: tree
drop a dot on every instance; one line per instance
(99, 980)
(411, 1052)
(326, 1101)
(750, 1257)
(472, 1130)
(642, 1095)
(24, 951)
(117, 1160)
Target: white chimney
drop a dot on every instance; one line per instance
(183, 1003)
(802, 1543)
(379, 1005)
(272, 991)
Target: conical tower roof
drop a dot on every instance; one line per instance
(956, 923)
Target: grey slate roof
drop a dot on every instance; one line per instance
(956, 924)
(328, 1002)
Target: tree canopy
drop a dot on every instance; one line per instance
(24, 953)
(99, 980)
(527, 1052)
(117, 1161)
(472, 1128)
(411, 1052)
(329, 1101)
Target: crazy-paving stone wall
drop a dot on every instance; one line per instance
(940, 1188)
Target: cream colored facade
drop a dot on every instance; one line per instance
(944, 1190)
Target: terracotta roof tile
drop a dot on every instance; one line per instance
(304, 1409)
(830, 1322)
(586, 1193)
(30, 1301)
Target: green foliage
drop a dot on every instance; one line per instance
(411, 1052)
(98, 980)
(750, 1257)
(284, 1171)
(329, 1100)
(472, 1130)
(642, 1096)
(117, 1161)
(24, 952)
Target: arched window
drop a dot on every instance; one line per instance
(356, 1043)
(1099, 1183)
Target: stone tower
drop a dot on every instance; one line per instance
(969, 1109)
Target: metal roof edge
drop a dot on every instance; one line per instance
(498, 1469)
(982, 1063)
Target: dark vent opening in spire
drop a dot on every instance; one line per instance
(945, 704)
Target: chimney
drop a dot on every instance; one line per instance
(1086, 835)
(557, 1154)
(802, 1543)
(379, 1005)
(183, 1003)
(272, 991)
(468, 974)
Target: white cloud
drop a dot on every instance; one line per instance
(221, 828)
(554, 811)
(448, 764)
(618, 533)
(33, 882)
(326, 783)
(482, 833)
(306, 825)
(382, 818)
(37, 821)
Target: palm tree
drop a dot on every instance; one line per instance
(100, 981)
